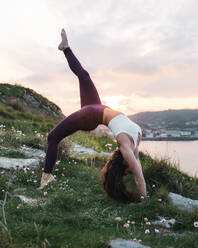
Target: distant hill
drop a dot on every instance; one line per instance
(169, 118)
(27, 100)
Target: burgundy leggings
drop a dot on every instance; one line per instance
(87, 118)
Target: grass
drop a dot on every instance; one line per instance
(74, 211)
(77, 213)
(26, 100)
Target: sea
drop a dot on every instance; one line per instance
(182, 153)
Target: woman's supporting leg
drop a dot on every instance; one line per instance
(84, 119)
(88, 91)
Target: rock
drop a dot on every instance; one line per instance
(84, 150)
(37, 156)
(36, 153)
(105, 154)
(162, 222)
(121, 243)
(183, 203)
(27, 200)
(15, 163)
(30, 99)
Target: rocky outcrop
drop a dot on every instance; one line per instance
(16, 163)
(84, 150)
(183, 203)
(26, 100)
(36, 156)
(121, 243)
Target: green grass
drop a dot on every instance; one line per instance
(11, 153)
(75, 211)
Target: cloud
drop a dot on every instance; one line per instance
(145, 48)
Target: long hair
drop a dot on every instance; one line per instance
(112, 179)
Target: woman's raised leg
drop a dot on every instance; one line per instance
(88, 91)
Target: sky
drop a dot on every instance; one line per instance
(141, 54)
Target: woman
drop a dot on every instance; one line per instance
(91, 114)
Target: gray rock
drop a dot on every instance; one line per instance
(105, 154)
(183, 203)
(31, 100)
(121, 243)
(8, 163)
(36, 156)
(27, 200)
(36, 153)
(162, 222)
(84, 150)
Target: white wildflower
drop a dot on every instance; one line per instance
(148, 223)
(172, 221)
(145, 219)
(126, 225)
(45, 193)
(147, 231)
(196, 224)
(135, 239)
(153, 186)
(133, 222)
(159, 200)
(157, 230)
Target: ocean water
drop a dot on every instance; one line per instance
(184, 153)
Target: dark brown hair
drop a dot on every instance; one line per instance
(112, 179)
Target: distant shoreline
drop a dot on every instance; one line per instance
(170, 138)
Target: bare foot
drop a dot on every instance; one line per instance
(46, 179)
(64, 42)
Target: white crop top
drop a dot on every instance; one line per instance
(122, 124)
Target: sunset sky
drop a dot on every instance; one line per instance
(141, 54)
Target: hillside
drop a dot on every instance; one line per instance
(74, 211)
(186, 118)
(27, 100)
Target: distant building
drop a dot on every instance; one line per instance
(185, 133)
(149, 135)
(163, 135)
(173, 133)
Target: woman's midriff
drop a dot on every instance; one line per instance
(109, 114)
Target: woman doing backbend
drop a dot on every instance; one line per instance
(92, 113)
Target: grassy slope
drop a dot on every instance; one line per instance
(25, 99)
(77, 213)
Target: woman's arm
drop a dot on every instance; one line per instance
(135, 168)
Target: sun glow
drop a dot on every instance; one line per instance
(114, 102)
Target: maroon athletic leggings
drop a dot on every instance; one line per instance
(87, 118)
